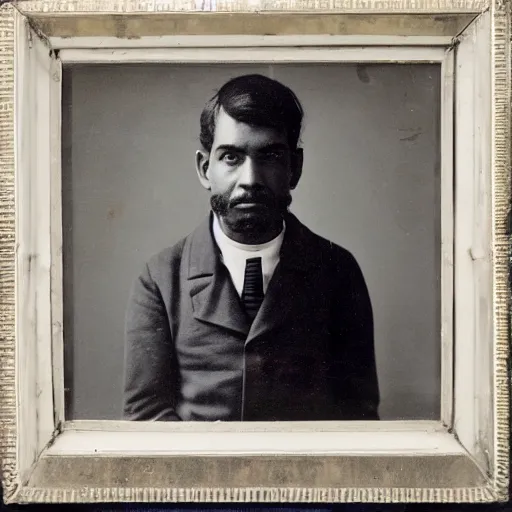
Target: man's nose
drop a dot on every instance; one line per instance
(251, 173)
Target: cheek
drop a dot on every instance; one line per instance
(279, 180)
(220, 180)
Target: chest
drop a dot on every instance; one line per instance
(293, 329)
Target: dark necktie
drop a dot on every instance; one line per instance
(252, 294)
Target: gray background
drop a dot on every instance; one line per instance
(370, 183)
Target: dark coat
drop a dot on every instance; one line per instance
(191, 353)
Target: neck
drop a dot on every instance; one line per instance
(249, 237)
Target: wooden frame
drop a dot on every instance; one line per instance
(463, 457)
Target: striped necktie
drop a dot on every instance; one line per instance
(252, 293)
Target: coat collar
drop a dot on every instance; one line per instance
(214, 298)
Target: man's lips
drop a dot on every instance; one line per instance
(250, 204)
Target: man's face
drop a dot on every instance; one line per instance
(250, 172)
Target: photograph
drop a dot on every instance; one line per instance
(251, 242)
(254, 252)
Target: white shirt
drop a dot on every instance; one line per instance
(234, 255)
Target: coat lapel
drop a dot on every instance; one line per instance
(297, 259)
(213, 295)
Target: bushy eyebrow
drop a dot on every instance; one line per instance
(228, 147)
(276, 146)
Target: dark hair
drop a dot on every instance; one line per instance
(256, 100)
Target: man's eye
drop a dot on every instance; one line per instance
(273, 155)
(231, 158)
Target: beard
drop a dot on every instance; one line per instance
(269, 211)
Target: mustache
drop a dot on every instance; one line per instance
(222, 203)
(259, 196)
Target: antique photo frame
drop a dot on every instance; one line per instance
(464, 457)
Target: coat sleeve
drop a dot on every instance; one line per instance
(354, 372)
(150, 384)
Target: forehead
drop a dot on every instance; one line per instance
(232, 132)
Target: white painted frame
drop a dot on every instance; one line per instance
(473, 428)
(287, 53)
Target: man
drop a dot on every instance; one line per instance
(252, 317)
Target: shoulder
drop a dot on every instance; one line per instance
(167, 256)
(157, 276)
(166, 260)
(326, 249)
(169, 264)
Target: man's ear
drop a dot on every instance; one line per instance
(202, 163)
(296, 164)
